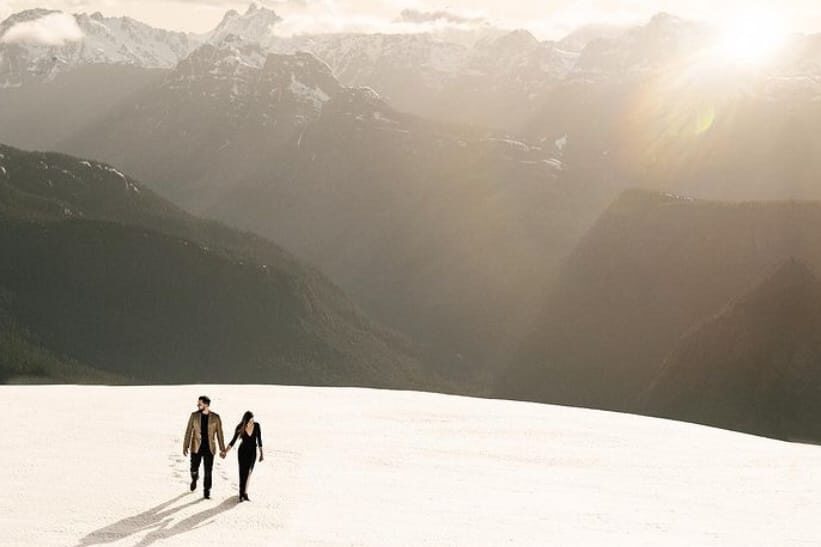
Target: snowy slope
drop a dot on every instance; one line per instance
(102, 465)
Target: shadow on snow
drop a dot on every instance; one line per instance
(157, 521)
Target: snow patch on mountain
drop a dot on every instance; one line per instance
(312, 95)
(512, 143)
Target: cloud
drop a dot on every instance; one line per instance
(438, 16)
(546, 20)
(54, 29)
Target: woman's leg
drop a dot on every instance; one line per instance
(249, 460)
(248, 478)
(243, 476)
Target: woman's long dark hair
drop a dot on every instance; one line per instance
(245, 419)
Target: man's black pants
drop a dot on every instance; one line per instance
(207, 458)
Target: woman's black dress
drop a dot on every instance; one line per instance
(247, 453)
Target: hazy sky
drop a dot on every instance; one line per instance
(546, 18)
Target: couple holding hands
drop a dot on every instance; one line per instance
(203, 426)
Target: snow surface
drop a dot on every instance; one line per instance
(103, 465)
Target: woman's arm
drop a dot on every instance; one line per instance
(233, 440)
(259, 440)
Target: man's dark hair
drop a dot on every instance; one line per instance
(205, 399)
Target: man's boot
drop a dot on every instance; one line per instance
(194, 477)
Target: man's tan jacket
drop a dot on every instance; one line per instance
(193, 433)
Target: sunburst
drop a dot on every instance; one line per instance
(751, 39)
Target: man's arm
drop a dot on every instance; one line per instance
(187, 437)
(220, 438)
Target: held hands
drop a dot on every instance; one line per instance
(222, 453)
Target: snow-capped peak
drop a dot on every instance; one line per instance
(31, 46)
(255, 25)
(238, 73)
(24, 16)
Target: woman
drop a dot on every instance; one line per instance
(251, 435)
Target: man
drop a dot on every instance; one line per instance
(203, 426)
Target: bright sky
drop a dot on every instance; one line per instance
(545, 18)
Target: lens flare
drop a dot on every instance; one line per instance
(751, 39)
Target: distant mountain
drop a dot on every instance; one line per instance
(96, 39)
(256, 25)
(659, 107)
(30, 58)
(103, 279)
(579, 38)
(648, 105)
(653, 267)
(756, 366)
(394, 65)
(492, 82)
(209, 120)
(438, 230)
(503, 79)
(663, 40)
(653, 103)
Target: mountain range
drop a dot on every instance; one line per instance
(109, 281)
(652, 269)
(98, 40)
(435, 229)
(617, 219)
(645, 105)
